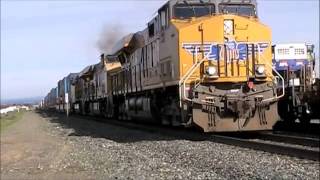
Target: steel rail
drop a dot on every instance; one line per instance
(304, 141)
(269, 147)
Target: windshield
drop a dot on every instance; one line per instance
(184, 11)
(242, 10)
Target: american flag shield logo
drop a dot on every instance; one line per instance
(234, 51)
(242, 48)
(230, 51)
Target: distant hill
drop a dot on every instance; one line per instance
(29, 100)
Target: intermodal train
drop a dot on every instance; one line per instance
(296, 63)
(202, 63)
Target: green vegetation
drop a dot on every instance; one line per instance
(9, 119)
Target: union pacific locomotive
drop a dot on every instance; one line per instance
(203, 63)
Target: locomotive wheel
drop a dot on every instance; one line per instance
(86, 108)
(286, 114)
(165, 120)
(305, 121)
(103, 110)
(121, 111)
(156, 110)
(170, 114)
(167, 116)
(290, 118)
(164, 117)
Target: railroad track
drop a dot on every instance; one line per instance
(271, 147)
(311, 129)
(291, 139)
(266, 142)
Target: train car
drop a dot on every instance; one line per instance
(91, 104)
(69, 90)
(103, 102)
(60, 92)
(66, 93)
(203, 63)
(50, 100)
(84, 88)
(93, 89)
(296, 63)
(78, 84)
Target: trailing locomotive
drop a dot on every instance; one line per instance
(296, 63)
(198, 63)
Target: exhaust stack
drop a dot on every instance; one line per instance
(102, 58)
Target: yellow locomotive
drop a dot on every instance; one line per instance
(199, 62)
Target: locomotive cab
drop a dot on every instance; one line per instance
(225, 65)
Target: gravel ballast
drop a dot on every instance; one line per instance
(100, 150)
(104, 150)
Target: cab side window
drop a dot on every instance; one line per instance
(164, 17)
(151, 29)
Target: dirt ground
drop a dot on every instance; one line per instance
(29, 152)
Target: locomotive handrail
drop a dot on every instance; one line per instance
(278, 75)
(259, 56)
(283, 88)
(187, 76)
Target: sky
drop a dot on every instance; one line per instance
(43, 41)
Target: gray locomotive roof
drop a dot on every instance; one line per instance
(122, 43)
(136, 40)
(86, 70)
(173, 2)
(130, 40)
(73, 75)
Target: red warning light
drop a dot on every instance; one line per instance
(250, 84)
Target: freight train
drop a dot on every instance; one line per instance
(296, 63)
(203, 63)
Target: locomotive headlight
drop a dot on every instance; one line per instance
(228, 26)
(211, 70)
(260, 69)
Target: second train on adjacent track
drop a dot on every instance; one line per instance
(297, 64)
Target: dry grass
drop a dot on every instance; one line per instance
(9, 119)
